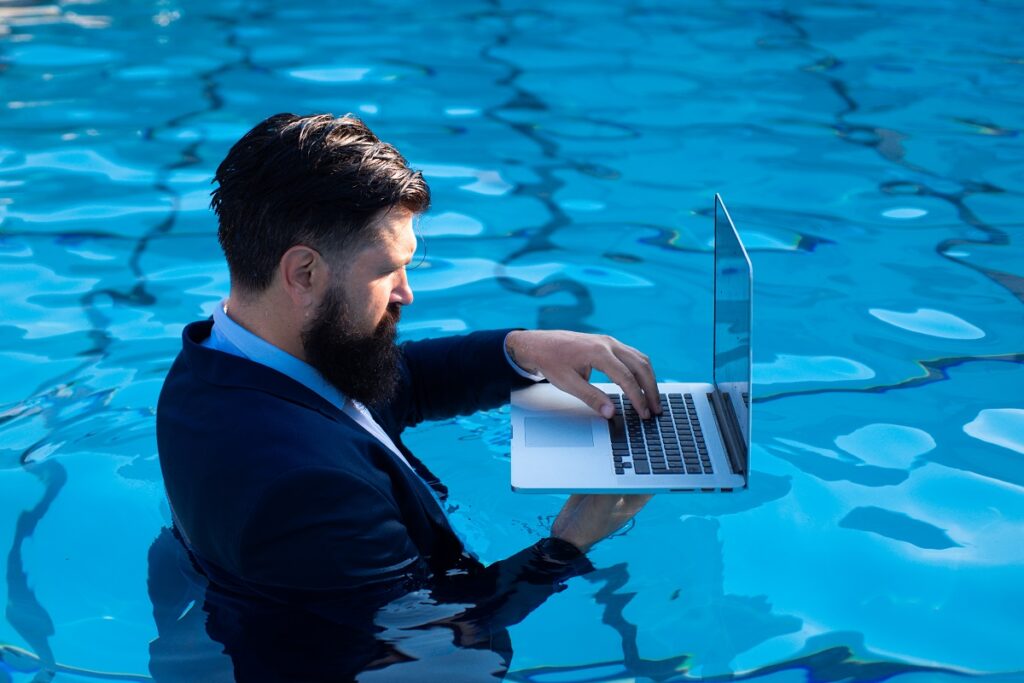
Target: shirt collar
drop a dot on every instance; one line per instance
(231, 337)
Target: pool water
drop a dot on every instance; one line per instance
(870, 154)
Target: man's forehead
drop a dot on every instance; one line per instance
(399, 233)
(397, 240)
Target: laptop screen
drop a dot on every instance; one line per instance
(733, 288)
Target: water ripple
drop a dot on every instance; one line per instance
(1000, 426)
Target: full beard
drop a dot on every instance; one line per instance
(364, 367)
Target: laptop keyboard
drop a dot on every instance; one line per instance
(670, 443)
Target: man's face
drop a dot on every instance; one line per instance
(351, 339)
(375, 278)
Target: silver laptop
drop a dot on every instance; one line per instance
(701, 441)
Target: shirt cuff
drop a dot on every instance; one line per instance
(535, 376)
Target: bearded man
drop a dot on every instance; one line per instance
(279, 424)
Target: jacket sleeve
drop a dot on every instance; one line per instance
(505, 592)
(453, 376)
(331, 541)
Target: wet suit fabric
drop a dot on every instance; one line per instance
(287, 506)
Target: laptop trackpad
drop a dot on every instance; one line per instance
(558, 432)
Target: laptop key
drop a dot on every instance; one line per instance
(619, 470)
(642, 467)
(618, 428)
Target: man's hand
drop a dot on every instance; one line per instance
(566, 359)
(589, 517)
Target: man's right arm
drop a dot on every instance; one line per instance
(324, 538)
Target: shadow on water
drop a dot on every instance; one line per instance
(830, 665)
(24, 611)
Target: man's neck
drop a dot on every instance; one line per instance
(258, 317)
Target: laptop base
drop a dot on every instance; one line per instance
(562, 446)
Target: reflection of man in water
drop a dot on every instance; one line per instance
(279, 425)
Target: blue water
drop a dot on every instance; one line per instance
(870, 153)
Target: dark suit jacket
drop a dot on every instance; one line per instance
(282, 499)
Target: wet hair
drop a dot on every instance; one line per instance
(316, 180)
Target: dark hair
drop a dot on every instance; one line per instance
(313, 180)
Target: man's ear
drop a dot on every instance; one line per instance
(304, 275)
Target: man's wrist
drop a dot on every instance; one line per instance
(514, 355)
(559, 549)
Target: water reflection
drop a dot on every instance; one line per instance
(450, 627)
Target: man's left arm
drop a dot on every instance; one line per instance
(453, 376)
(460, 375)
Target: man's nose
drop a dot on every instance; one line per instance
(402, 293)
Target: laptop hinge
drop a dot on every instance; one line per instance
(729, 428)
